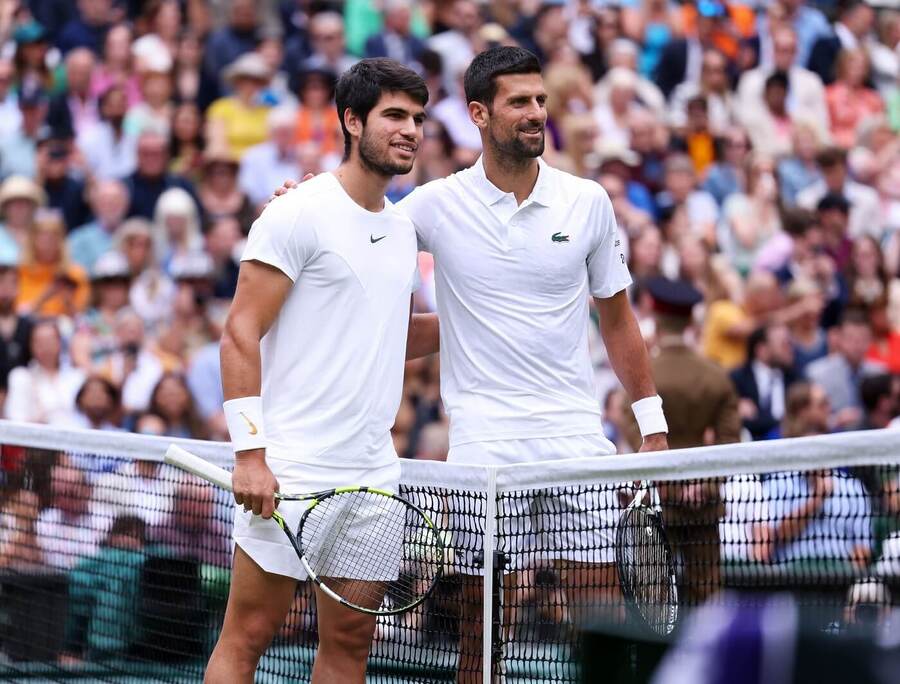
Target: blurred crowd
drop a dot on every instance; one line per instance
(749, 147)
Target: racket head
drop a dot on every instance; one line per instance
(646, 567)
(370, 550)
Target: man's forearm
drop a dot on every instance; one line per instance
(423, 337)
(241, 365)
(625, 347)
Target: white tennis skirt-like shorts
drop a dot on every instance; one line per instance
(576, 524)
(268, 546)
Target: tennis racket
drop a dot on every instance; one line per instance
(646, 566)
(366, 548)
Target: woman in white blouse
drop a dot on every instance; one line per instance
(44, 390)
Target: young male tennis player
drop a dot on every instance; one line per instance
(312, 364)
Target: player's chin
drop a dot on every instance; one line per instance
(400, 167)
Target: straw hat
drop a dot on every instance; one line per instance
(248, 65)
(20, 187)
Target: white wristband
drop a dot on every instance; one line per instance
(244, 418)
(649, 415)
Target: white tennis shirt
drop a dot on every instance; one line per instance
(513, 284)
(332, 362)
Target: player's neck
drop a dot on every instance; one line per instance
(517, 176)
(364, 187)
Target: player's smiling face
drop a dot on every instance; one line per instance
(516, 120)
(391, 135)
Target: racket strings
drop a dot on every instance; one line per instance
(375, 551)
(646, 567)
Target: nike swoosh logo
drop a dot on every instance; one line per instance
(374, 239)
(250, 424)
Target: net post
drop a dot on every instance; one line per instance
(487, 603)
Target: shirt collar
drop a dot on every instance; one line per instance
(542, 192)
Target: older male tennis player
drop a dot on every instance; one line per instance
(312, 364)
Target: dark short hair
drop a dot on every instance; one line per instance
(756, 339)
(779, 79)
(873, 388)
(362, 85)
(854, 316)
(480, 80)
(831, 157)
(834, 200)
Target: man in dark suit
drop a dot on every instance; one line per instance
(682, 57)
(151, 178)
(763, 381)
(701, 408)
(855, 20)
(396, 40)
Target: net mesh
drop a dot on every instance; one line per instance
(115, 567)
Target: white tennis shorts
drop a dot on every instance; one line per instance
(268, 546)
(534, 527)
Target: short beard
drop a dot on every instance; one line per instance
(377, 161)
(515, 152)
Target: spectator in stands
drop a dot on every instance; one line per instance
(152, 177)
(842, 371)
(204, 378)
(155, 108)
(854, 21)
(771, 126)
(224, 46)
(763, 382)
(186, 149)
(237, 122)
(879, 396)
(19, 548)
(171, 399)
(690, 209)
(104, 594)
(219, 193)
(49, 283)
(117, 66)
(807, 336)
(109, 204)
(714, 88)
(726, 175)
(807, 94)
(15, 329)
(865, 216)
(192, 530)
(818, 515)
(177, 227)
(317, 121)
(20, 198)
(455, 46)
(74, 525)
(44, 390)
(133, 366)
(65, 191)
(89, 27)
(222, 241)
(10, 116)
(73, 111)
(266, 165)
(98, 405)
(751, 220)
(33, 65)
(94, 339)
(798, 170)
(188, 67)
(108, 150)
(396, 39)
(850, 100)
(18, 151)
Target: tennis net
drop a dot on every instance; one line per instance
(115, 566)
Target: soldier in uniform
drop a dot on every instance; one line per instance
(701, 407)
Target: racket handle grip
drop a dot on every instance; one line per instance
(185, 460)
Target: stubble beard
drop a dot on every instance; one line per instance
(514, 151)
(378, 161)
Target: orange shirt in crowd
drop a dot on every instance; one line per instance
(741, 24)
(886, 351)
(36, 279)
(322, 127)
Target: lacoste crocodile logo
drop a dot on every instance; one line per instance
(559, 237)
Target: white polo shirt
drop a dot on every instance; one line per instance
(332, 362)
(513, 285)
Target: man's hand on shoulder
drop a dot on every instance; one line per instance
(288, 185)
